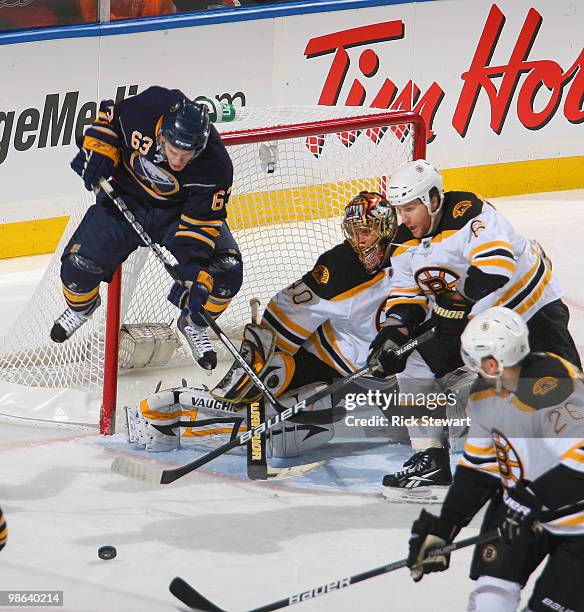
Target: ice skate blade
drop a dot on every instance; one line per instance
(420, 495)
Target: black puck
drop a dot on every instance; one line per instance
(107, 552)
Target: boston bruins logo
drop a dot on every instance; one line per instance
(321, 275)
(435, 280)
(460, 208)
(510, 466)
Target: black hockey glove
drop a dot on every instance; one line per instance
(523, 510)
(98, 150)
(190, 296)
(381, 360)
(428, 533)
(451, 312)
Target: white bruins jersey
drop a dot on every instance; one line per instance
(473, 239)
(334, 311)
(523, 435)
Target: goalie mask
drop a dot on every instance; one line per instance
(370, 224)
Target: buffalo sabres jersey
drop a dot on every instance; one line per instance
(474, 242)
(200, 191)
(334, 311)
(523, 435)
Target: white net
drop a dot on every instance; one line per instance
(285, 210)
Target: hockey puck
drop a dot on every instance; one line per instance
(107, 552)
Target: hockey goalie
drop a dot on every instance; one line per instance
(314, 331)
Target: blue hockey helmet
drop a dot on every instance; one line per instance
(186, 126)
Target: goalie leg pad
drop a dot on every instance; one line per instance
(257, 349)
(161, 415)
(295, 436)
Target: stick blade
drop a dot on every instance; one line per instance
(291, 472)
(184, 591)
(137, 470)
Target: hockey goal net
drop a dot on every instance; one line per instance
(295, 170)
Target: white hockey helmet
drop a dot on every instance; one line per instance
(499, 333)
(413, 180)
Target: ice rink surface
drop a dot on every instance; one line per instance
(242, 544)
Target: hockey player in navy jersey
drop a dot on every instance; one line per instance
(463, 256)
(171, 168)
(525, 453)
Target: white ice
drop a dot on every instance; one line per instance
(242, 544)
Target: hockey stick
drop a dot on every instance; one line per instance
(193, 599)
(122, 465)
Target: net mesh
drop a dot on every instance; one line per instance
(285, 210)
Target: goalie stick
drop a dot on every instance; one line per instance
(193, 599)
(122, 465)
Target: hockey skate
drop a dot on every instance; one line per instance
(425, 480)
(70, 321)
(197, 339)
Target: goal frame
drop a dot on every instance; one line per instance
(242, 137)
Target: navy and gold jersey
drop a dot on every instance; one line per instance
(200, 191)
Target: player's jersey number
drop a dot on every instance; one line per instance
(140, 142)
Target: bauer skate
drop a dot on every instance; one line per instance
(70, 321)
(197, 339)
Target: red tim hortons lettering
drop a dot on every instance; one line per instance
(369, 63)
(539, 73)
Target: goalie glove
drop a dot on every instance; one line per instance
(99, 149)
(428, 533)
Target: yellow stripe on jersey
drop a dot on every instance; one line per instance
(488, 246)
(360, 288)
(522, 405)
(479, 450)
(75, 296)
(329, 334)
(444, 235)
(216, 309)
(575, 453)
(206, 222)
(283, 344)
(477, 396)
(495, 262)
(421, 301)
(535, 295)
(492, 469)
(284, 320)
(402, 248)
(324, 356)
(211, 231)
(414, 290)
(196, 236)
